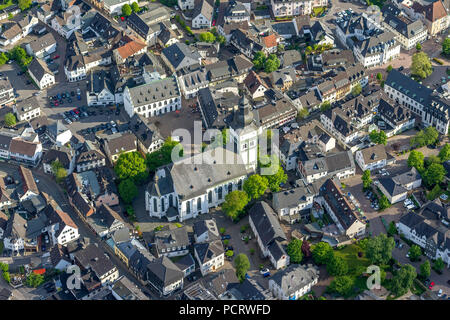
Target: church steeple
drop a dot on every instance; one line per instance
(243, 117)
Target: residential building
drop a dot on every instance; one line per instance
(293, 282)
(269, 234)
(192, 81)
(27, 109)
(206, 231)
(92, 258)
(59, 133)
(410, 179)
(288, 8)
(114, 7)
(408, 32)
(42, 46)
(210, 256)
(41, 74)
(393, 190)
(321, 35)
(283, 79)
(164, 276)
(117, 145)
(172, 243)
(100, 89)
(90, 159)
(234, 68)
(179, 56)
(343, 213)
(25, 151)
(6, 92)
(105, 221)
(340, 165)
(124, 289)
(434, 15)
(130, 48)
(186, 264)
(397, 117)
(148, 136)
(202, 15)
(65, 156)
(371, 158)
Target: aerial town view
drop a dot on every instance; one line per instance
(193, 150)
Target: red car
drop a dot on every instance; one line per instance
(214, 23)
(56, 57)
(56, 104)
(431, 285)
(76, 111)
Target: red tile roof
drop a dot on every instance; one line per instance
(270, 41)
(435, 11)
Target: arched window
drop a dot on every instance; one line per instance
(171, 202)
(209, 196)
(199, 204)
(188, 207)
(240, 184)
(155, 204)
(219, 193)
(230, 187)
(163, 205)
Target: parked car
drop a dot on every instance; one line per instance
(226, 237)
(265, 270)
(439, 293)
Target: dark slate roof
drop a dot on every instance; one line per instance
(108, 215)
(207, 251)
(249, 290)
(163, 272)
(208, 106)
(291, 198)
(161, 186)
(139, 261)
(158, 90)
(408, 87)
(171, 238)
(181, 55)
(93, 257)
(81, 204)
(123, 143)
(62, 155)
(391, 186)
(138, 23)
(210, 226)
(404, 26)
(100, 80)
(204, 7)
(56, 128)
(407, 177)
(266, 223)
(38, 69)
(145, 132)
(185, 262)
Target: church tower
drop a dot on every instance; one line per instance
(244, 133)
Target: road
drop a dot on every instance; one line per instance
(47, 184)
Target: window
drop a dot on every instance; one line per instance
(209, 196)
(219, 193)
(199, 204)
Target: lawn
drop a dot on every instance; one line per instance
(356, 265)
(318, 11)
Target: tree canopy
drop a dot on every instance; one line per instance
(255, 186)
(421, 65)
(163, 156)
(378, 137)
(258, 60)
(24, 4)
(279, 176)
(127, 190)
(294, 251)
(242, 265)
(207, 37)
(425, 137)
(272, 63)
(425, 269)
(379, 249)
(135, 7)
(446, 46)
(337, 266)
(126, 10)
(234, 203)
(322, 253)
(367, 181)
(131, 165)
(10, 119)
(414, 252)
(416, 160)
(434, 174)
(356, 90)
(403, 280)
(444, 154)
(341, 285)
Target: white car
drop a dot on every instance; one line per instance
(439, 293)
(263, 271)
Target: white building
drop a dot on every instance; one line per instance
(114, 7)
(269, 234)
(210, 256)
(59, 133)
(153, 99)
(293, 282)
(371, 158)
(203, 14)
(42, 46)
(40, 74)
(27, 109)
(284, 8)
(407, 32)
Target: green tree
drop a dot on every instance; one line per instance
(303, 114)
(126, 10)
(414, 252)
(434, 174)
(446, 46)
(131, 165)
(280, 48)
(425, 269)
(255, 186)
(341, 285)
(379, 249)
(389, 68)
(135, 7)
(337, 266)
(279, 176)
(431, 135)
(163, 156)
(379, 76)
(207, 37)
(322, 253)
(432, 159)
(384, 202)
(378, 137)
(294, 251)
(221, 39)
(403, 280)
(418, 47)
(127, 190)
(416, 160)
(434, 193)
(242, 265)
(20, 56)
(356, 90)
(271, 64)
(60, 175)
(438, 264)
(222, 230)
(10, 119)
(229, 253)
(24, 4)
(325, 106)
(258, 60)
(234, 203)
(3, 58)
(421, 65)
(367, 181)
(34, 280)
(392, 229)
(444, 154)
(6, 276)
